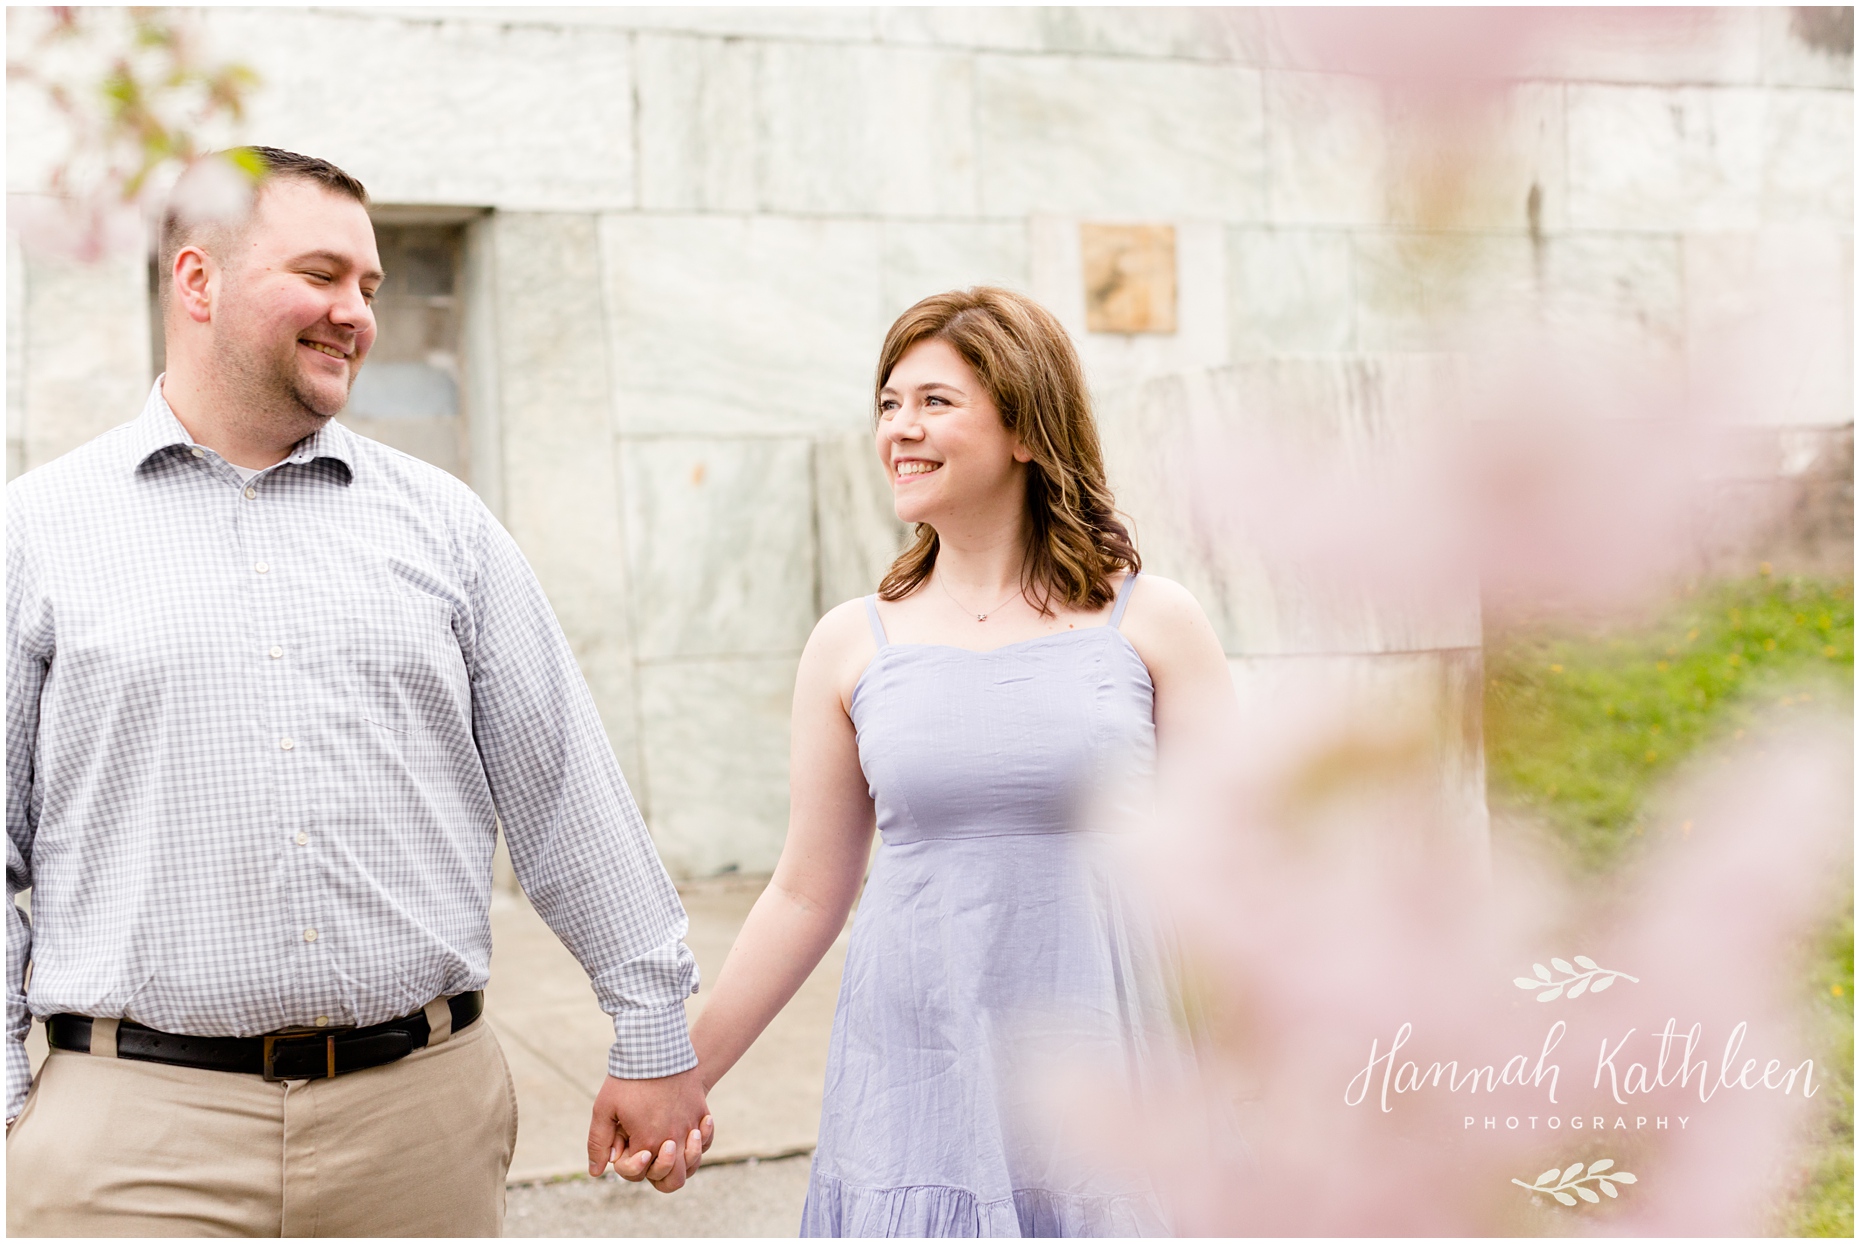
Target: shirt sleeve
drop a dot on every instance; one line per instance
(579, 845)
(28, 654)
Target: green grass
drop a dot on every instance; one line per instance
(1582, 727)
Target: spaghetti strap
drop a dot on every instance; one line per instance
(878, 628)
(1123, 599)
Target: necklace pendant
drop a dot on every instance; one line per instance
(981, 617)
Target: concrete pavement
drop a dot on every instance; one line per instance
(556, 1038)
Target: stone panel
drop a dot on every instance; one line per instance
(720, 541)
(515, 116)
(1262, 591)
(1435, 697)
(716, 743)
(1289, 291)
(560, 479)
(86, 366)
(1503, 166)
(839, 24)
(1769, 326)
(1115, 360)
(724, 325)
(15, 357)
(997, 29)
(1803, 49)
(858, 528)
(1206, 34)
(1612, 295)
(1665, 159)
(865, 130)
(921, 258)
(1676, 46)
(1808, 169)
(1124, 139)
(697, 123)
(1327, 146)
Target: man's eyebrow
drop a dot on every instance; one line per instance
(335, 260)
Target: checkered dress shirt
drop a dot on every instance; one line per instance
(259, 737)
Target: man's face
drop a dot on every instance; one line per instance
(293, 322)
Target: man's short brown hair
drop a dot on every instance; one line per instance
(180, 228)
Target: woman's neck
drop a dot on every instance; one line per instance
(982, 566)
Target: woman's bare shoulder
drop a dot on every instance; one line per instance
(841, 646)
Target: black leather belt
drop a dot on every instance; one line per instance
(298, 1054)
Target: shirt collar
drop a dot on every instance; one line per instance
(157, 429)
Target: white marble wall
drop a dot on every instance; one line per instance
(702, 221)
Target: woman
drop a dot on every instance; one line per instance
(1011, 664)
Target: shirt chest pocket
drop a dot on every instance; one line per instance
(402, 665)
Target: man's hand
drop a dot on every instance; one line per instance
(656, 1130)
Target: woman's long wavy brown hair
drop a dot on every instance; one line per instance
(1024, 359)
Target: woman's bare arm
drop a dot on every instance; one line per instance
(822, 863)
(1196, 709)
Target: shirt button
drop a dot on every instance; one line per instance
(200, 453)
(276, 652)
(322, 1021)
(251, 493)
(309, 935)
(262, 567)
(287, 744)
(303, 840)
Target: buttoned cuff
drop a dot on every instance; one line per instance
(649, 1043)
(19, 1077)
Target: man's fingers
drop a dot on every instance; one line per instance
(709, 1128)
(601, 1134)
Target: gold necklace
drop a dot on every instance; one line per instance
(979, 617)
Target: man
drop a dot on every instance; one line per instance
(270, 686)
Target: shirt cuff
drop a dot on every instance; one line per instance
(650, 1042)
(19, 1077)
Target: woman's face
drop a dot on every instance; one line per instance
(941, 440)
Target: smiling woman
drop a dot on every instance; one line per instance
(996, 710)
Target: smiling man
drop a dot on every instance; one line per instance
(270, 687)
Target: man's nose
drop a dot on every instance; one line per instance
(351, 310)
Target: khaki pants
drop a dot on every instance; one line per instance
(109, 1146)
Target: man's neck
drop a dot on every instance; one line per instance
(223, 426)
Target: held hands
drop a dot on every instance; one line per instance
(656, 1130)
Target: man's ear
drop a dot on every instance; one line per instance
(196, 281)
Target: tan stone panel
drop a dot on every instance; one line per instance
(869, 130)
(723, 325)
(720, 540)
(1119, 138)
(1118, 360)
(1129, 277)
(86, 351)
(716, 744)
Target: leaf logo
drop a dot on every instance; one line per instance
(1561, 1184)
(1586, 976)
